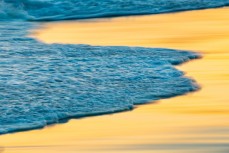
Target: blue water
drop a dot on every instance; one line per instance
(78, 9)
(41, 84)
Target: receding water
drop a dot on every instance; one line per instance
(41, 84)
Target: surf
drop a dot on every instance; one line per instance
(42, 84)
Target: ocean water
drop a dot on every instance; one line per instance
(46, 10)
(42, 84)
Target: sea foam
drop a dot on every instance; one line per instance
(42, 84)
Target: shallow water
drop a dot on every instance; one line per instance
(42, 84)
(193, 123)
(43, 75)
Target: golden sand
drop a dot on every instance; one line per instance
(197, 122)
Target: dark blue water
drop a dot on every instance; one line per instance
(79, 9)
(41, 84)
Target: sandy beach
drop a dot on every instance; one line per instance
(196, 122)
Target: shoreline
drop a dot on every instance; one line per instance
(135, 31)
(196, 122)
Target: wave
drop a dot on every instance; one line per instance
(51, 10)
(42, 84)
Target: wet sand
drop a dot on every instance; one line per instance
(197, 122)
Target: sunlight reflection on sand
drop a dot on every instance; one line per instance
(197, 122)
